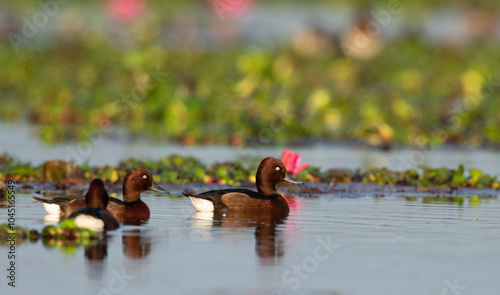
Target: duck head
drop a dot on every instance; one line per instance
(96, 197)
(271, 172)
(137, 181)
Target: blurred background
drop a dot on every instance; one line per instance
(382, 74)
(347, 87)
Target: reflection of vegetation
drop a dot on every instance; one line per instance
(459, 200)
(66, 236)
(443, 200)
(181, 170)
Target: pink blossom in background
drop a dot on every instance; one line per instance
(126, 10)
(291, 160)
(231, 7)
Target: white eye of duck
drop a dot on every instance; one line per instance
(278, 168)
(145, 176)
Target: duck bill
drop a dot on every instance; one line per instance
(155, 187)
(289, 178)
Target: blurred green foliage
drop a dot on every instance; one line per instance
(20, 234)
(411, 92)
(66, 236)
(23, 171)
(216, 97)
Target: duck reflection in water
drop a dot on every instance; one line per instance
(95, 255)
(269, 236)
(97, 251)
(136, 244)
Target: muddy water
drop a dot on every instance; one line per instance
(327, 245)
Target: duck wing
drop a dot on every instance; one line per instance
(237, 199)
(61, 205)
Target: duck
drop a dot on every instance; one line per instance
(271, 171)
(94, 216)
(136, 181)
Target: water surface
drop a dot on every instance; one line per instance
(390, 245)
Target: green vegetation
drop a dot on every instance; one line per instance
(408, 94)
(11, 167)
(182, 170)
(411, 92)
(21, 234)
(65, 236)
(428, 177)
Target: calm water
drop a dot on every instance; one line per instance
(361, 245)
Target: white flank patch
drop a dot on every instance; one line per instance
(89, 222)
(202, 205)
(52, 208)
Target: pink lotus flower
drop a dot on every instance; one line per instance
(126, 10)
(231, 7)
(291, 161)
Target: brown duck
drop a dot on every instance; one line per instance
(271, 171)
(136, 181)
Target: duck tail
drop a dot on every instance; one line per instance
(187, 194)
(41, 200)
(50, 206)
(196, 196)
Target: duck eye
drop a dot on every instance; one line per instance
(278, 168)
(145, 176)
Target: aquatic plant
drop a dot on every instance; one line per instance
(231, 173)
(15, 169)
(19, 233)
(177, 169)
(65, 236)
(68, 237)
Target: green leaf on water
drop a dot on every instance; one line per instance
(458, 178)
(475, 200)
(475, 174)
